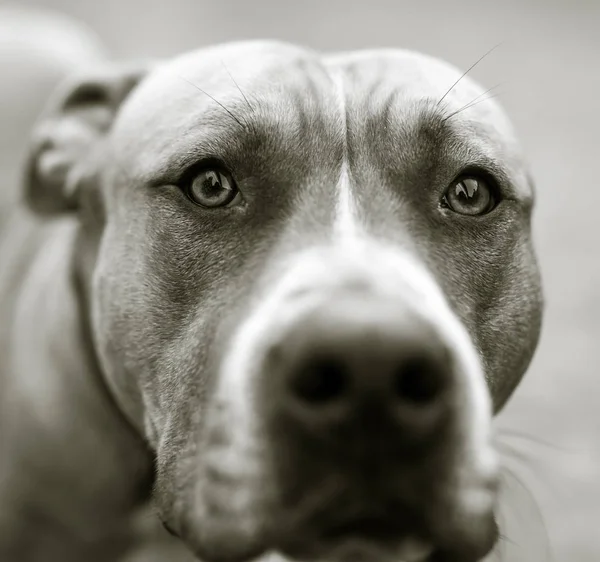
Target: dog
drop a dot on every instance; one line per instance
(279, 292)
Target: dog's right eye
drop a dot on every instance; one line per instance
(211, 188)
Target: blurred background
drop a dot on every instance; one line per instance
(548, 65)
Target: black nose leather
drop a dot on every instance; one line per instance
(353, 359)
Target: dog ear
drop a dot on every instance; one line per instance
(76, 120)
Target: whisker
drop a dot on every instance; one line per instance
(504, 538)
(469, 106)
(476, 98)
(499, 553)
(513, 452)
(513, 434)
(237, 86)
(467, 72)
(243, 125)
(549, 556)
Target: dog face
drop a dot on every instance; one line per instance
(311, 283)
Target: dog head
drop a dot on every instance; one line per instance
(311, 283)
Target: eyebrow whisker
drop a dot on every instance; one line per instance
(472, 103)
(470, 106)
(237, 85)
(467, 72)
(229, 112)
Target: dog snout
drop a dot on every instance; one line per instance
(358, 361)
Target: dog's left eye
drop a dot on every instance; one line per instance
(469, 195)
(212, 188)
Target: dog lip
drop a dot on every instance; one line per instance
(372, 538)
(368, 527)
(168, 528)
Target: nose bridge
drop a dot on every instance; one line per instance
(362, 310)
(351, 258)
(358, 260)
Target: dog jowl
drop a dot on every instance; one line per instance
(311, 284)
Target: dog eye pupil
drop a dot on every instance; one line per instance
(469, 196)
(212, 188)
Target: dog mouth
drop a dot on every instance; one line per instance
(343, 519)
(382, 539)
(360, 511)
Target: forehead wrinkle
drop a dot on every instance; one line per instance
(283, 120)
(426, 120)
(276, 84)
(273, 92)
(415, 136)
(418, 77)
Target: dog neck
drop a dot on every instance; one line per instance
(58, 394)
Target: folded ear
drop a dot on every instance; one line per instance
(73, 125)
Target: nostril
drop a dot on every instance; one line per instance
(419, 381)
(320, 381)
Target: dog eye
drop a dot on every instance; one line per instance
(469, 196)
(212, 188)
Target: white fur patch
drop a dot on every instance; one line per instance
(345, 223)
(346, 227)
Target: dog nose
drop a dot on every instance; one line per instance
(359, 361)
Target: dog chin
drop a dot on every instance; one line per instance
(239, 548)
(235, 547)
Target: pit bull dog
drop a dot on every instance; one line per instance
(281, 292)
